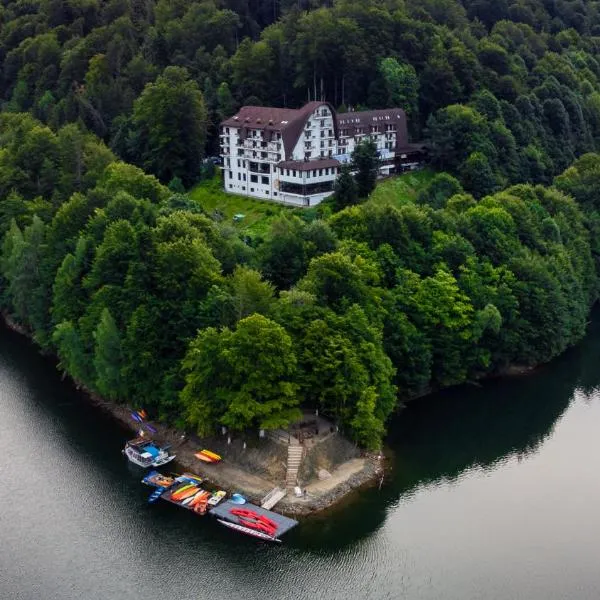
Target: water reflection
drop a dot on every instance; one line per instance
(435, 440)
(440, 438)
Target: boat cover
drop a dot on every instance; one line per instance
(222, 511)
(152, 450)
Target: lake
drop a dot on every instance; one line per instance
(493, 493)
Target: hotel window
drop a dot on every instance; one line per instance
(239, 176)
(254, 178)
(251, 189)
(294, 173)
(229, 174)
(244, 176)
(320, 172)
(307, 174)
(264, 180)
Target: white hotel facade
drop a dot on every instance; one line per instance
(293, 156)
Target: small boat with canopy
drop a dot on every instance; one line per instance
(147, 453)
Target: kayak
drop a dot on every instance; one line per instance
(191, 499)
(204, 458)
(210, 454)
(199, 498)
(249, 531)
(181, 490)
(201, 506)
(185, 494)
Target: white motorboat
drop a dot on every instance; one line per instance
(147, 453)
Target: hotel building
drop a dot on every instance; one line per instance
(293, 156)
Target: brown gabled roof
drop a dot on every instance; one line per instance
(288, 121)
(378, 118)
(309, 165)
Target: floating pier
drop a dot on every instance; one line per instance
(245, 518)
(225, 515)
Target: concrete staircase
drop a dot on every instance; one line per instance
(294, 460)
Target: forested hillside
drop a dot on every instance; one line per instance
(526, 73)
(146, 297)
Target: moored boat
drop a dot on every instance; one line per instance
(248, 531)
(147, 453)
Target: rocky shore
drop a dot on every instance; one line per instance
(251, 476)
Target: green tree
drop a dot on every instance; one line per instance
(402, 85)
(367, 429)
(365, 161)
(73, 357)
(477, 175)
(346, 190)
(108, 357)
(225, 102)
(250, 293)
(251, 372)
(169, 127)
(440, 189)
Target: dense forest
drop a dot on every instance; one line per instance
(108, 109)
(506, 91)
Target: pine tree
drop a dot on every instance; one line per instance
(365, 161)
(346, 190)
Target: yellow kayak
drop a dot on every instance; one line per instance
(212, 455)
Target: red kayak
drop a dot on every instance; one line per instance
(244, 513)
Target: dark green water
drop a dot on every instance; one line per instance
(495, 494)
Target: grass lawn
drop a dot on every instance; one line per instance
(403, 188)
(257, 214)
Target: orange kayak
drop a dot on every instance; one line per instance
(204, 458)
(207, 456)
(186, 494)
(200, 497)
(179, 494)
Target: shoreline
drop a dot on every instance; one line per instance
(346, 479)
